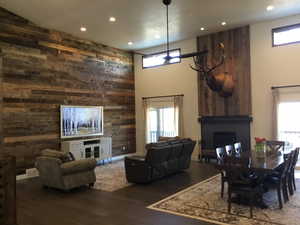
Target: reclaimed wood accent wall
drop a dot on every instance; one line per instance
(8, 191)
(1, 106)
(237, 63)
(43, 69)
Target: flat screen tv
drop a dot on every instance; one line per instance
(81, 121)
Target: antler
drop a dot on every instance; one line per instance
(201, 63)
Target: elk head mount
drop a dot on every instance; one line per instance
(222, 83)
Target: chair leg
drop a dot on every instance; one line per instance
(279, 197)
(251, 206)
(294, 182)
(229, 201)
(222, 188)
(285, 192)
(290, 185)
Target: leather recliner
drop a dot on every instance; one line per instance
(162, 159)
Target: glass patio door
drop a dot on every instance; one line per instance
(289, 125)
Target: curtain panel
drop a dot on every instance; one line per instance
(284, 95)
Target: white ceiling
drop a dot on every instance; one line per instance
(140, 20)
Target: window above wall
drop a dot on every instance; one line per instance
(286, 35)
(158, 59)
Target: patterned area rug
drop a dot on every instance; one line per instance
(111, 177)
(203, 202)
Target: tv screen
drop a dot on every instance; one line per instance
(80, 121)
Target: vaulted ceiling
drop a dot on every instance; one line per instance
(143, 22)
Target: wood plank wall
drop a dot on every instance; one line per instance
(237, 50)
(43, 69)
(1, 106)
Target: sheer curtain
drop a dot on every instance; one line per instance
(276, 102)
(163, 117)
(286, 103)
(178, 115)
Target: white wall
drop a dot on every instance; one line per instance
(270, 66)
(168, 80)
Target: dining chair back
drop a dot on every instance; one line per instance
(275, 146)
(229, 150)
(287, 164)
(238, 148)
(291, 178)
(221, 154)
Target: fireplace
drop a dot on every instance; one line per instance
(220, 139)
(218, 131)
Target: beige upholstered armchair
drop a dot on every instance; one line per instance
(57, 170)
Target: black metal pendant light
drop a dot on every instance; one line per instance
(168, 57)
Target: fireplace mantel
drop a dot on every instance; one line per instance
(225, 119)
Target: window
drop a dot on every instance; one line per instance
(288, 123)
(286, 35)
(163, 117)
(158, 59)
(161, 123)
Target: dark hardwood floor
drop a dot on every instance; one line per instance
(39, 206)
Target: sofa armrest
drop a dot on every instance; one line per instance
(78, 166)
(137, 170)
(49, 170)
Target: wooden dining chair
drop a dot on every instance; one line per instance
(221, 154)
(278, 180)
(275, 146)
(238, 148)
(229, 150)
(291, 172)
(240, 183)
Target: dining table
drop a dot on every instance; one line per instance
(262, 166)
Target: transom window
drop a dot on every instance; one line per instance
(158, 59)
(286, 35)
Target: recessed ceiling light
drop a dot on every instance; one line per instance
(157, 36)
(202, 28)
(112, 19)
(130, 43)
(223, 23)
(270, 8)
(83, 29)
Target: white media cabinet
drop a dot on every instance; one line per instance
(98, 148)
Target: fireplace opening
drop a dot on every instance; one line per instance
(220, 139)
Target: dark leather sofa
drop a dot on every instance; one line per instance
(162, 159)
